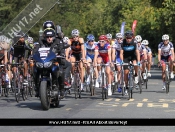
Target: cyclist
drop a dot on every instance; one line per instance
(5, 45)
(166, 53)
(77, 53)
(19, 52)
(110, 40)
(116, 56)
(62, 46)
(149, 56)
(90, 52)
(103, 54)
(129, 53)
(143, 54)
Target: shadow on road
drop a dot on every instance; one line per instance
(35, 105)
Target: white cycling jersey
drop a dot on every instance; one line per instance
(165, 49)
(141, 48)
(117, 46)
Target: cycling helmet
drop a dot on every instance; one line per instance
(165, 37)
(119, 35)
(129, 34)
(145, 42)
(138, 38)
(49, 32)
(30, 40)
(90, 37)
(35, 43)
(65, 39)
(75, 32)
(20, 34)
(48, 24)
(109, 36)
(102, 37)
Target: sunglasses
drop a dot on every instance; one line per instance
(49, 37)
(91, 41)
(165, 40)
(119, 38)
(101, 41)
(75, 36)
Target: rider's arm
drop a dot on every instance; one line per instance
(138, 55)
(82, 48)
(67, 51)
(96, 55)
(121, 55)
(109, 54)
(172, 52)
(159, 55)
(145, 55)
(113, 53)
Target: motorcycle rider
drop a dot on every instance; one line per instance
(49, 39)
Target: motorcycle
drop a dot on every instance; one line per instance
(44, 60)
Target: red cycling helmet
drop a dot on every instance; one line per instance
(103, 37)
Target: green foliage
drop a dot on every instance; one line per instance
(155, 18)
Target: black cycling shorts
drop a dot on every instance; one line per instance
(128, 59)
(77, 56)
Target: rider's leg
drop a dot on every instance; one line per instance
(163, 74)
(108, 72)
(98, 74)
(149, 64)
(136, 71)
(171, 66)
(88, 60)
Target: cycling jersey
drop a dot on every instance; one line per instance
(111, 42)
(117, 47)
(76, 48)
(103, 52)
(141, 48)
(19, 50)
(129, 48)
(165, 49)
(90, 50)
(76, 45)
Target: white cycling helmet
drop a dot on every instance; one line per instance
(75, 32)
(165, 37)
(138, 38)
(30, 40)
(119, 35)
(109, 36)
(65, 39)
(145, 42)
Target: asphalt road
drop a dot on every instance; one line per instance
(152, 103)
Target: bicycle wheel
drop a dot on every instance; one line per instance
(16, 87)
(75, 86)
(140, 81)
(91, 86)
(146, 81)
(167, 81)
(106, 90)
(103, 86)
(130, 86)
(6, 90)
(1, 90)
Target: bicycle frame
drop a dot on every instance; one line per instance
(130, 78)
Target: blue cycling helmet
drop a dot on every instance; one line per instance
(90, 37)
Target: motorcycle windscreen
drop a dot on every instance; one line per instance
(37, 57)
(50, 56)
